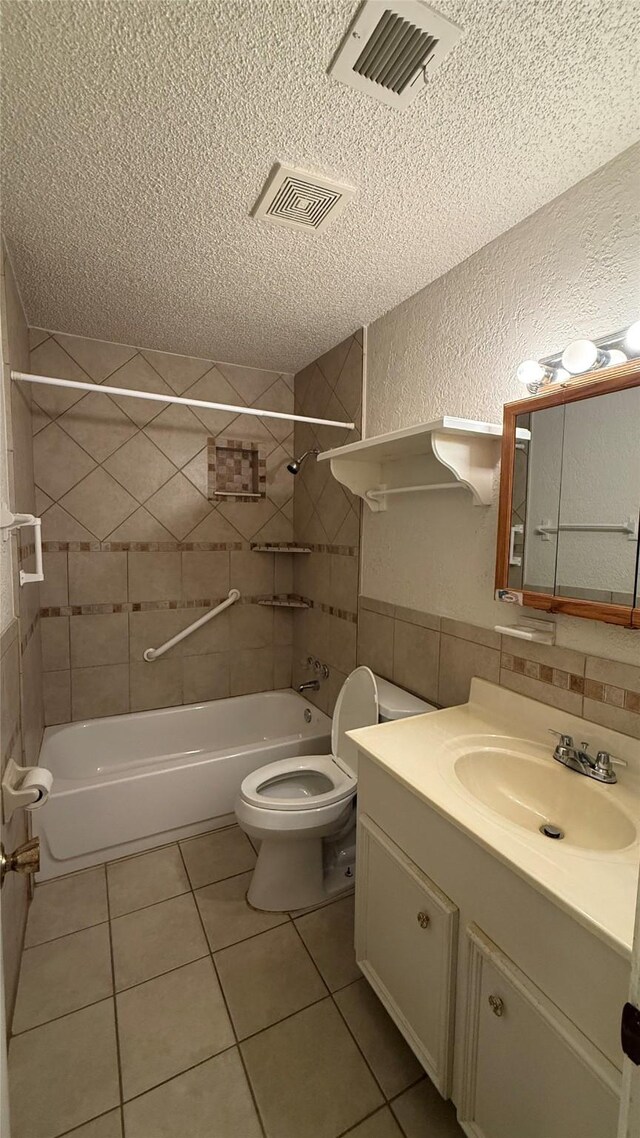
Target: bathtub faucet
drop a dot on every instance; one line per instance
(310, 685)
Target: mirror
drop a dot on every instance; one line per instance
(570, 498)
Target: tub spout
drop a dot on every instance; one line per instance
(310, 685)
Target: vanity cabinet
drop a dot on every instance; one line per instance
(509, 1003)
(526, 1070)
(406, 947)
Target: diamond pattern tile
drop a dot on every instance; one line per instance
(99, 503)
(331, 362)
(98, 425)
(140, 467)
(139, 375)
(214, 388)
(178, 506)
(58, 525)
(254, 430)
(178, 371)
(58, 462)
(278, 397)
(279, 480)
(178, 433)
(141, 526)
(249, 382)
(197, 471)
(99, 358)
(214, 528)
(50, 359)
(247, 517)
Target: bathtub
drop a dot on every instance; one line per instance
(126, 783)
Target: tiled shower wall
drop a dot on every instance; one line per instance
(20, 654)
(327, 520)
(134, 548)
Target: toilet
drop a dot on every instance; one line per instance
(302, 809)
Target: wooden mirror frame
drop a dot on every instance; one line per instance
(595, 383)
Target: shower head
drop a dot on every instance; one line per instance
(294, 467)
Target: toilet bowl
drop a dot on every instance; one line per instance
(300, 808)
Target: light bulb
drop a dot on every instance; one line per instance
(632, 338)
(615, 357)
(579, 356)
(530, 371)
(560, 375)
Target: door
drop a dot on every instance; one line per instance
(629, 1121)
(4, 1077)
(406, 936)
(527, 1070)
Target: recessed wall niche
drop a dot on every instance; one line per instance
(237, 471)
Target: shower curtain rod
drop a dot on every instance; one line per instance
(96, 388)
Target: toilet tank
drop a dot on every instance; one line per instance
(395, 703)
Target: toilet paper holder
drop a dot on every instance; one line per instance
(26, 787)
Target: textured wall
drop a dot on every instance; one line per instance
(160, 119)
(327, 521)
(20, 652)
(134, 548)
(571, 269)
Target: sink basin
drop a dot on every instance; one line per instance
(532, 794)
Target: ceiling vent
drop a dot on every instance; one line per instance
(301, 200)
(391, 48)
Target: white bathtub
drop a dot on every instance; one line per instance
(125, 783)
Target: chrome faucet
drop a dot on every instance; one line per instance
(578, 759)
(310, 685)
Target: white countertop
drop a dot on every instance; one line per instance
(598, 888)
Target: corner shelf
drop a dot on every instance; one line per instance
(444, 455)
(284, 602)
(278, 547)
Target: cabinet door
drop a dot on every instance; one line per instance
(405, 945)
(528, 1071)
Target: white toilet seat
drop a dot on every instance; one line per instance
(302, 781)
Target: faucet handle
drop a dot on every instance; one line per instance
(604, 761)
(565, 740)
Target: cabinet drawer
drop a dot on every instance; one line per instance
(528, 1071)
(406, 936)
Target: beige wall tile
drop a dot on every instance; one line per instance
(99, 639)
(179, 371)
(616, 718)
(97, 425)
(375, 642)
(284, 572)
(344, 582)
(253, 573)
(341, 650)
(99, 503)
(282, 667)
(140, 467)
(97, 578)
(382, 607)
(566, 659)
(99, 358)
(283, 626)
(56, 690)
(178, 506)
(204, 575)
(54, 590)
(251, 671)
(205, 677)
(212, 637)
(415, 616)
(471, 632)
(158, 684)
(152, 628)
(178, 434)
(545, 693)
(415, 659)
(460, 660)
(32, 699)
(154, 576)
(251, 626)
(99, 691)
(58, 461)
(611, 672)
(55, 643)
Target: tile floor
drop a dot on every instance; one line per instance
(154, 1003)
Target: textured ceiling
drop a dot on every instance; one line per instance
(138, 134)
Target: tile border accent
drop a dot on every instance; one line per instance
(144, 546)
(147, 606)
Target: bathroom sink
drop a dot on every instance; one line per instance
(533, 794)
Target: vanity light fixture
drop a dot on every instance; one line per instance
(580, 356)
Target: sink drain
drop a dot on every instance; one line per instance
(551, 831)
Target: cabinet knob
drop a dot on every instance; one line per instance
(423, 920)
(496, 1005)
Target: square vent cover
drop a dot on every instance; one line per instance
(300, 199)
(391, 47)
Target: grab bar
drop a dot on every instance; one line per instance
(151, 654)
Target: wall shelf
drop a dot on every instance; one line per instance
(284, 602)
(444, 455)
(278, 547)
